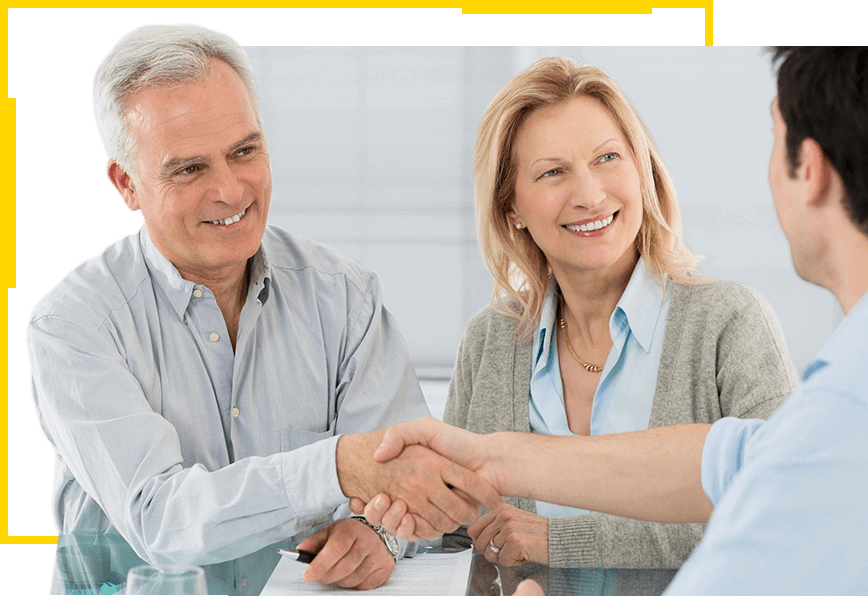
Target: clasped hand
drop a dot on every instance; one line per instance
(437, 494)
(517, 536)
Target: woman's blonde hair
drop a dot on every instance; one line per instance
(520, 270)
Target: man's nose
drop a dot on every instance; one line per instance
(226, 187)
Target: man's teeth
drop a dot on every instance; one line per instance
(229, 220)
(592, 226)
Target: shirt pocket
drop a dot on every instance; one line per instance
(292, 438)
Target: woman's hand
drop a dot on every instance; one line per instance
(518, 535)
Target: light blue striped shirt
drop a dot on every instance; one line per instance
(192, 452)
(623, 400)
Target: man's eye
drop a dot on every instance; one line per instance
(245, 151)
(187, 171)
(608, 157)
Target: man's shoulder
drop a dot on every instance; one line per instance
(294, 254)
(99, 286)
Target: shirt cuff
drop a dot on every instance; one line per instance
(310, 478)
(723, 453)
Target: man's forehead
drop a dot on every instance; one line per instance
(215, 113)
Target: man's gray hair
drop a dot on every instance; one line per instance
(154, 56)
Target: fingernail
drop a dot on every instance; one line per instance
(379, 501)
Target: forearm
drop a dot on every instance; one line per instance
(652, 475)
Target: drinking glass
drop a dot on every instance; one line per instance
(169, 579)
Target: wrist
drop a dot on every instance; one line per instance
(391, 543)
(354, 463)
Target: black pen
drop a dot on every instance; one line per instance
(302, 556)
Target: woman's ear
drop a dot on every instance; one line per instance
(516, 220)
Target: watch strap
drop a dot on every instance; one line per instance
(384, 536)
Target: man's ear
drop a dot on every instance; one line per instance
(815, 171)
(124, 183)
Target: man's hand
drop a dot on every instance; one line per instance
(350, 555)
(472, 451)
(439, 494)
(519, 536)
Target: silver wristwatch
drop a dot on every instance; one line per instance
(390, 541)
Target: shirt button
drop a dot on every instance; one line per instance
(213, 337)
(243, 582)
(235, 412)
(197, 293)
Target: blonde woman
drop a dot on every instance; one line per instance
(597, 324)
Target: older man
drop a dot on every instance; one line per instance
(193, 377)
(785, 497)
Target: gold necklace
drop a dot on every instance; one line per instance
(586, 365)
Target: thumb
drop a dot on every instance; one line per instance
(397, 437)
(357, 506)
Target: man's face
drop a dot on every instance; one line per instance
(203, 176)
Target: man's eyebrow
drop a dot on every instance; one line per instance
(169, 166)
(254, 137)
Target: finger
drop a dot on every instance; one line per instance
(487, 536)
(490, 555)
(315, 542)
(474, 486)
(529, 588)
(394, 516)
(345, 566)
(476, 528)
(376, 508)
(357, 506)
(374, 577)
(327, 557)
(395, 438)
(357, 574)
(455, 508)
(407, 528)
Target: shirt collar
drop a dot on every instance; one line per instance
(640, 306)
(638, 309)
(849, 333)
(179, 291)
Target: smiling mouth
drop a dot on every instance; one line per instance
(593, 226)
(229, 220)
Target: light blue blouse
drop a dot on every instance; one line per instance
(622, 402)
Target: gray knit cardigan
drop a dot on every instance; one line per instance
(723, 355)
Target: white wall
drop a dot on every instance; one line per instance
(372, 153)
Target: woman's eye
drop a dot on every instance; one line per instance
(608, 157)
(550, 173)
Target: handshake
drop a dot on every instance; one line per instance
(421, 479)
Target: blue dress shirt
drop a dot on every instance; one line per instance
(623, 400)
(790, 516)
(193, 452)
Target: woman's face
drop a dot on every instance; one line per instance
(577, 187)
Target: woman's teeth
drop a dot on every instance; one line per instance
(229, 220)
(592, 226)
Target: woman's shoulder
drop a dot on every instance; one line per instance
(491, 321)
(719, 299)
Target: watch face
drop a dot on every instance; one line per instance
(391, 543)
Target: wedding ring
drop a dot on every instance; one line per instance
(493, 548)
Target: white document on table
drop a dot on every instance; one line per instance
(429, 574)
